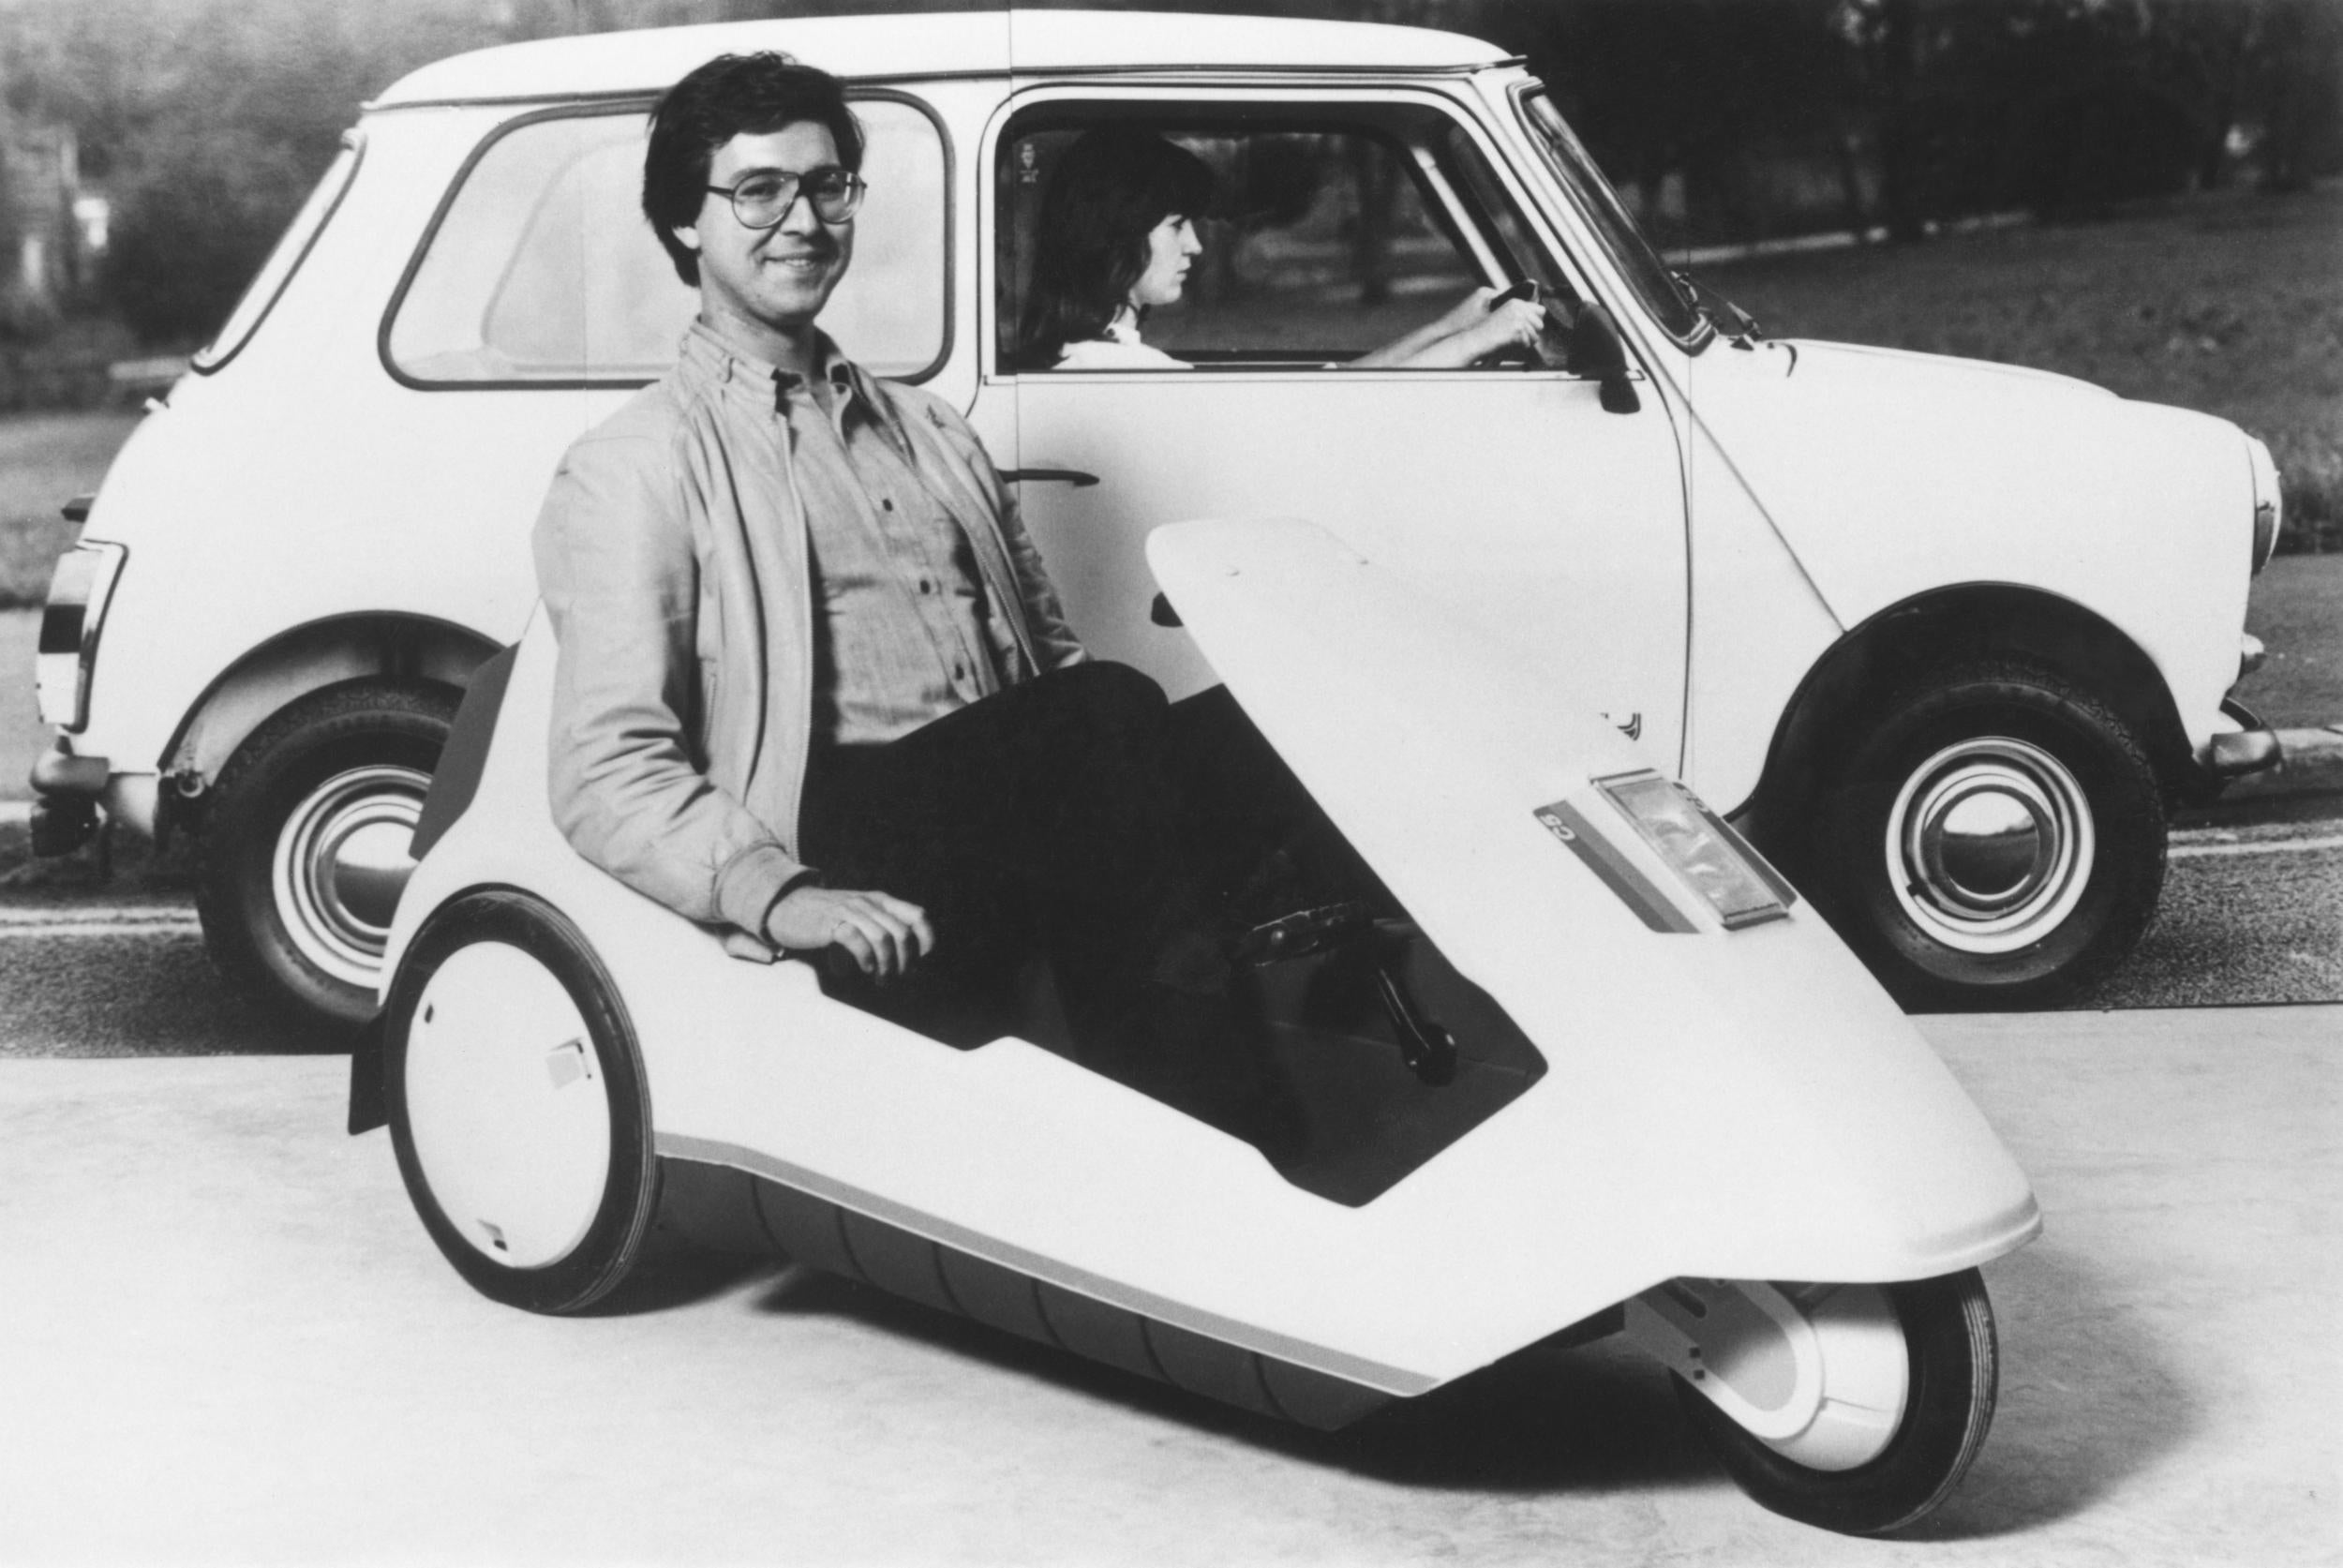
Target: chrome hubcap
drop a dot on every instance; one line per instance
(1990, 845)
(342, 859)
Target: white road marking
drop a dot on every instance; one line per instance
(2230, 844)
(95, 928)
(154, 919)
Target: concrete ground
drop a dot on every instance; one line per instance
(224, 1336)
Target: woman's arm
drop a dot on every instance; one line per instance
(1469, 332)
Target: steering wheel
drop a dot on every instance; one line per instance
(1552, 348)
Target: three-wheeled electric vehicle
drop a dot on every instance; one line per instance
(1611, 1075)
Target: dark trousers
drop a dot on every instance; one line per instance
(1078, 817)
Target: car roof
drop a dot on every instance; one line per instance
(938, 44)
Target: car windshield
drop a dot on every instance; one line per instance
(1630, 252)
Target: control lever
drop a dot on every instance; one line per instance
(1428, 1049)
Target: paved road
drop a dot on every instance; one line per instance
(2250, 915)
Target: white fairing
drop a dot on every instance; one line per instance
(1743, 1106)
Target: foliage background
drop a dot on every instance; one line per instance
(207, 120)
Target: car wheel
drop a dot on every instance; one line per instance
(303, 848)
(1950, 1376)
(517, 1104)
(1997, 841)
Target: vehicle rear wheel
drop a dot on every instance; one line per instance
(517, 1104)
(1952, 1371)
(1997, 839)
(304, 844)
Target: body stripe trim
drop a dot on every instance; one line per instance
(1318, 1358)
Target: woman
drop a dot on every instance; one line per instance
(1116, 237)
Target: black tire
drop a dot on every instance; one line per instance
(1954, 919)
(1955, 1370)
(300, 854)
(613, 1241)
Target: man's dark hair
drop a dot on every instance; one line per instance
(1110, 189)
(733, 95)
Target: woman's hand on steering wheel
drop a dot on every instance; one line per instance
(1507, 327)
(1547, 342)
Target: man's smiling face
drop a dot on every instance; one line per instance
(772, 280)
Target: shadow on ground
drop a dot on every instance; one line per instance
(2088, 1402)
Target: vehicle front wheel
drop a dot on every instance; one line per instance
(303, 845)
(1996, 840)
(518, 1103)
(1858, 1480)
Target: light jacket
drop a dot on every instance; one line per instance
(672, 557)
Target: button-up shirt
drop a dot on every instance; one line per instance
(675, 556)
(904, 633)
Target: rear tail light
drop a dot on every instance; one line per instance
(2268, 503)
(77, 594)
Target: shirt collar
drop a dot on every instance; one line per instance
(745, 375)
(1124, 327)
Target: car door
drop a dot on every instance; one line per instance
(1340, 222)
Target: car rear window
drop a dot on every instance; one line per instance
(541, 270)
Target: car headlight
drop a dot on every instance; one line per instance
(2268, 503)
(78, 591)
(1711, 861)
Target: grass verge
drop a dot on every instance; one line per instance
(45, 460)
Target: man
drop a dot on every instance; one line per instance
(815, 685)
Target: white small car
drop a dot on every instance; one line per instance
(1947, 638)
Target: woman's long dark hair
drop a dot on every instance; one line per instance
(1108, 190)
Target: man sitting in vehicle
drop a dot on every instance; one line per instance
(814, 684)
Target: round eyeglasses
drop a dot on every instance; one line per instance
(764, 198)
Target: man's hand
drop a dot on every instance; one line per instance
(882, 932)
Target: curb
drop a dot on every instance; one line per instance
(2310, 763)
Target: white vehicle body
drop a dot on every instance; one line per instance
(1717, 570)
(1718, 1100)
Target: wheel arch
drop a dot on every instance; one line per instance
(1874, 658)
(308, 658)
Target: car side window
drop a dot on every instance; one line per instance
(542, 271)
(1332, 230)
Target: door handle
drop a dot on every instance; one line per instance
(1063, 476)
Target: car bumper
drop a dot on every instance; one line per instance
(2240, 751)
(69, 791)
(2241, 744)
